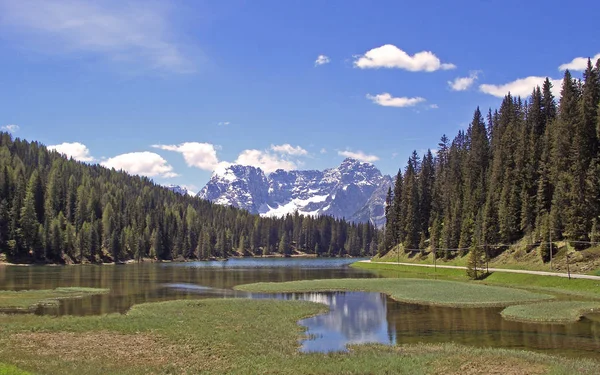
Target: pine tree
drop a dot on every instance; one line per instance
(583, 149)
(108, 227)
(284, 244)
(28, 218)
(426, 181)
(390, 223)
(475, 263)
(398, 212)
(474, 176)
(410, 202)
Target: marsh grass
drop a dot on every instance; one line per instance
(419, 291)
(235, 336)
(550, 312)
(28, 300)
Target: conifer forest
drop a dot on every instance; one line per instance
(63, 211)
(528, 170)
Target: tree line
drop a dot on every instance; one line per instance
(530, 168)
(54, 209)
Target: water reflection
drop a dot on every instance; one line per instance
(484, 327)
(139, 283)
(361, 317)
(354, 318)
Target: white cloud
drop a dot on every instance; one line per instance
(463, 83)
(195, 154)
(520, 87)
(75, 150)
(390, 56)
(11, 128)
(434, 106)
(137, 33)
(359, 155)
(322, 60)
(289, 149)
(388, 100)
(144, 163)
(323, 150)
(579, 64)
(224, 123)
(264, 160)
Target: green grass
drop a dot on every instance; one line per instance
(238, 337)
(550, 312)
(552, 284)
(11, 370)
(402, 271)
(420, 291)
(28, 300)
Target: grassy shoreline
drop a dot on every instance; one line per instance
(419, 291)
(236, 336)
(560, 312)
(29, 300)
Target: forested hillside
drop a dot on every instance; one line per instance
(530, 169)
(58, 210)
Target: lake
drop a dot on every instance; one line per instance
(354, 317)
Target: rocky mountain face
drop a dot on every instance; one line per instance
(355, 191)
(177, 189)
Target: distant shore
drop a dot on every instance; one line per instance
(151, 260)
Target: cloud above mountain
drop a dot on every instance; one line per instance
(359, 155)
(148, 164)
(195, 154)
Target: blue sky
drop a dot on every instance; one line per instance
(173, 89)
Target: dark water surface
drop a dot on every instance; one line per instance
(149, 282)
(354, 317)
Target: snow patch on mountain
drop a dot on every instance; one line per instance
(177, 189)
(354, 191)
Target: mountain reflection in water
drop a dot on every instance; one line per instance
(354, 318)
(360, 317)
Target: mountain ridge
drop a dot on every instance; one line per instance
(354, 190)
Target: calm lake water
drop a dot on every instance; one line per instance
(354, 317)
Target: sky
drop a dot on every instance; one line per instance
(173, 90)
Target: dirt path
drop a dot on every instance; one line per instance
(540, 273)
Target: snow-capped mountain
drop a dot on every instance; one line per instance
(177, 189)
(354, 191)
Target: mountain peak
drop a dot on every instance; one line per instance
(351, 163)
(350, 191)
(177, 189)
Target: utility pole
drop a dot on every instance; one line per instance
(568, 269)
